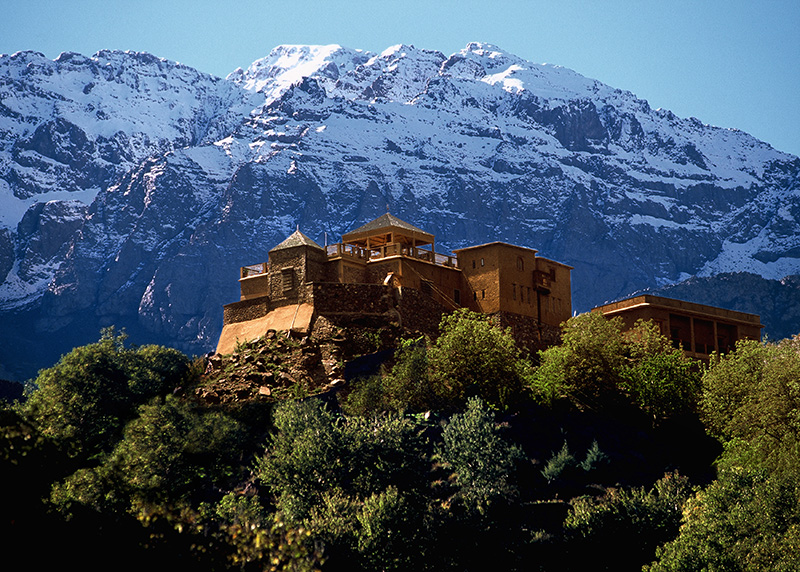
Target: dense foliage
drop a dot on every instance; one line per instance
(461, 454)
(470, 358)
(749, 518)
(600, 365)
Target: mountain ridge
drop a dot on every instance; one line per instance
(477, 146)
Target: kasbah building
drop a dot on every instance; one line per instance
(389, 271)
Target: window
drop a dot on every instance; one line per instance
(529, 294)
(475, 296)
(520, 263)
(513, 291)
(287, 279)
(483, 294)
(482, 262)
(473, 264)
(457, 296)
(552, 274)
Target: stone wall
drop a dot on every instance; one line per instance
(403, 311)
(529, 335)
(246, 310)
(335, 298)
(419, 313)
(303, 263)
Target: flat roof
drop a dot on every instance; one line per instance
(495, 243)
(551, 261)
(703, 310)
(509, 245)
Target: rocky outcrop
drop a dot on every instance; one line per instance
(280, 365)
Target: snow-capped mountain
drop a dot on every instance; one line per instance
(132, 188)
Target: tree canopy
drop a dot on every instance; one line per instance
(462, 453)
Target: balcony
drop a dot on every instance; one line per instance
(541, 281)
(254, 270)
(392, 249)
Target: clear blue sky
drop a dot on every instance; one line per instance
(731, 63)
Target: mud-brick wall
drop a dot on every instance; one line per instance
(245, 310)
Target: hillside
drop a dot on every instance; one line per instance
(175, 460)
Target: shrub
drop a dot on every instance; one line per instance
(314, 452)
(482, 461)
(623, 528)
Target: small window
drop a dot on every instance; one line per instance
(520, 263)
(514, 291)
(482, 262)
(457, 296)
(483, 294)
(475, 296)
(287, 279)
(473, 264)
(529, 294)
(552, 275)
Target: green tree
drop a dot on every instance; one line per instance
(586, 366)
(745, 521)
(664, 384)
(409, 386)
(169, 454)
(406, 387)
(482, 461)
(84, 401)
(749, 518)
(750, 401)
(470, 358)
(598, 364)
(473, 358)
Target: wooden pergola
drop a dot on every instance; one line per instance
(388, 229)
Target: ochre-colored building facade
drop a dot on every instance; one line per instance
(519, 289)
(697, 328)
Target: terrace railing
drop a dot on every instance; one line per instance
(394, 249)
(254, 269)
(347, 250)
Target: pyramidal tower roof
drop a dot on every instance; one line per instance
(388, 224)
(297, 238)
(385, 221)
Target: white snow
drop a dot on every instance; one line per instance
(12, 208)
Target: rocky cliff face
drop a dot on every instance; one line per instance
(133, 188)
